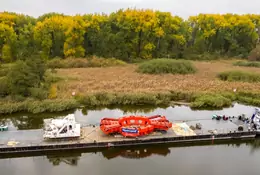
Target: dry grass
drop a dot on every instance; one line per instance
(126, 79)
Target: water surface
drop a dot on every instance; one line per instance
(211, 159)
(229, 159)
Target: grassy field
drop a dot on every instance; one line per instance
(127, 80)
(123, 85)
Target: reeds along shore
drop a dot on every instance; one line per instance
(196, 101)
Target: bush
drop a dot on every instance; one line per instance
(53, 92)
(4, 69)
(17, 98)
(106, 99)
(67, 63)
(249, 100)
(211, 101)
(57, 105)
(247, 63)
(254, 55)
(83, 62)
(35, 107)
(105, 62)
(205, 56)
(51, 78)
(165, 66)
(4, 87)
(38, 93)
(239, 76)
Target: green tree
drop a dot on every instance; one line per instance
(25, 75)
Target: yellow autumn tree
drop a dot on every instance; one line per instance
(73, 46)
(7, 40)
(50, 35)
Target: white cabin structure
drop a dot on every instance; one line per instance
(256, 118)
(61, 128)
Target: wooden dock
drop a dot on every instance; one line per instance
(29, 141)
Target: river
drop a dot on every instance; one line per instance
(224, 159)
(22, 121)
(216, 159)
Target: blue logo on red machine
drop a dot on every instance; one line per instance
(129, 130)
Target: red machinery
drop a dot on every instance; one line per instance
(134, 126)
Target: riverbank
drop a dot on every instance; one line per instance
(113, 86)
(100, 100)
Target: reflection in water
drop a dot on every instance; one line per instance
(111, 153)
(255, 145)
(25, 121)
(139, 152)
(236, 158)
(71, 159)
(136, 153)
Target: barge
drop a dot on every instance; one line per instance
(93, 137)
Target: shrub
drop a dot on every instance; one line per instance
(247, 63)
(249, 100)
(38, 93)
(4, 69)
(239, 76)
(4, 88)
(105, 62)
(57, 105)
(254, 55)
(165, 66)
(211, 101)
(51, 78)
(83, 62)
(53, 92)
(106, 99)
(32, 106)
(17, 98)
(67, 63)
(55, 63)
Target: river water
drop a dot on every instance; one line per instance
(23, 121)
(215, 159)
(225, 159)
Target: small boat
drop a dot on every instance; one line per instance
(3, 128)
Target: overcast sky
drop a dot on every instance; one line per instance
(183, 8)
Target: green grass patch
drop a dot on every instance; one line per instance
(209, 101)
(249, 98)
(35, 106)
(239, 76)
(83, 62)
(166, 66)
(108, 99)
(247, 63)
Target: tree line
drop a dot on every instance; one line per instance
(126, 35)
